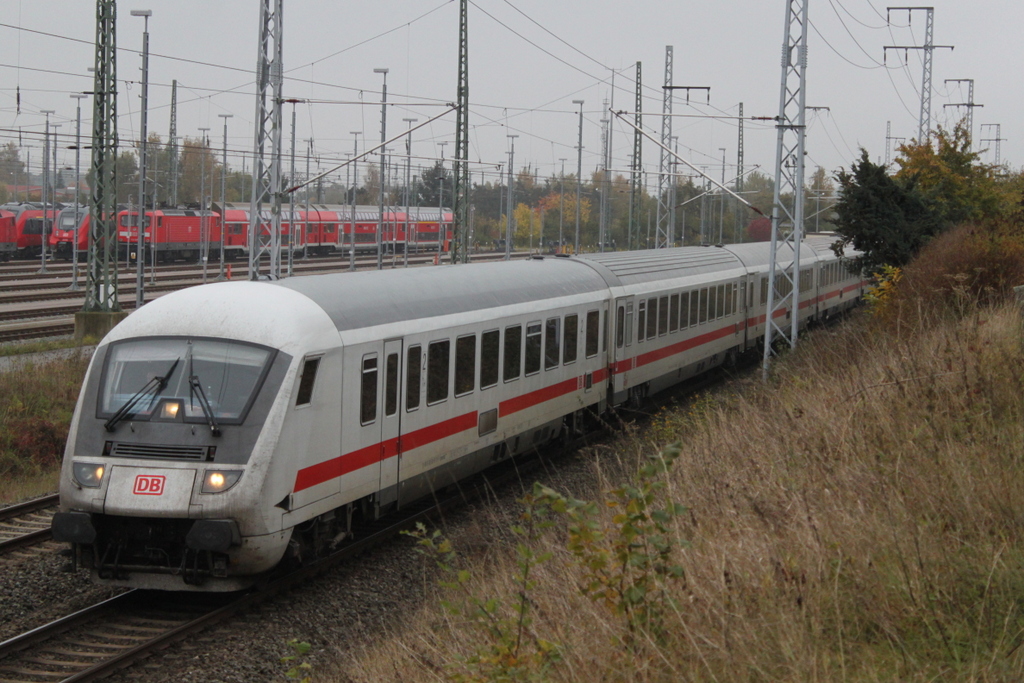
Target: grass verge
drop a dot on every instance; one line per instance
(859, 518)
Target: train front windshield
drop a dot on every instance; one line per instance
(170, 371)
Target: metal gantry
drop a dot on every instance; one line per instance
(101, 279)
(265, 230)
(783, 308)
(460, 166)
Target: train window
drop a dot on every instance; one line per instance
(571, 338)
(720, 302)
(673, 307)
(702, 306)
(620, 326)
(641, 320)
(552, 340)
(629, 326)
(694, 306)
(306, 382)
(465, 364)
(652, 318)
(662, 316)
(438, 359)
(413, 368)
(730, 299)
(533, 342)
(368, 390)
(684, 310)
(513, 352)
(764, 291)
(806, 279)
(604, 331)
(391, 384)
(490, 343)
(593, 325)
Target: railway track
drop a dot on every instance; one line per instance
(34, 306)
(118, 632)
(26, 524)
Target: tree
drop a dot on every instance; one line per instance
(196, 155)
(12, 169)
(881, 216)
(429, 192)
(950, 179)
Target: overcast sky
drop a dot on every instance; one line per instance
(528, 60)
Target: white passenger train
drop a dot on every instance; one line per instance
(224, 427)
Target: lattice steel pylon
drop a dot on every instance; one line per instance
(460, 170)
(788, 221)
(264, 230)
(924, 122)
(101, 278)
(638, 151)
(663, 236)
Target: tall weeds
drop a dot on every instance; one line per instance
(859, 518)
(36, 403)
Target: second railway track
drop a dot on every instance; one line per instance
(26, 524)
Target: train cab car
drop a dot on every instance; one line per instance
(29, 228)
(224, 427)
(8, 236)
(171, 234)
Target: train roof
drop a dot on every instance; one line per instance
(370, 298)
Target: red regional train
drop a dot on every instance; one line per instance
(322, 230)
(8, 235)
(28, 226)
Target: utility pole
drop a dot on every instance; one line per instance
(204, 223)
(579, 176)
(101, 283)
(140, 223)
(45, 187)
(291, 201)
(997, 139)
(721, 217)
(561, 207)
(460, 166)
(355, 182)
(511, 194)
(78, 184)
(383, 152)
(637, 167)
(603, 215)
(408, 178)
(925, 118)
(788, 222)
(172, 143)
(265, 236)
(970, 104)
(223, 193)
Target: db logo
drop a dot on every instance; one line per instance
(149, 485)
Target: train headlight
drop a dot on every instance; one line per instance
(88, 474)
(216, 481)
(170, 409)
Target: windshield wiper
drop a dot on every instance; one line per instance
(156, 385)
(196, 389)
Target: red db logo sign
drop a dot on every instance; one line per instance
(149, 485)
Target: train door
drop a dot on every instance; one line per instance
(622, 348)
(390, 423)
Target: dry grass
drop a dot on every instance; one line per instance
(860, 518)
(36, 403)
